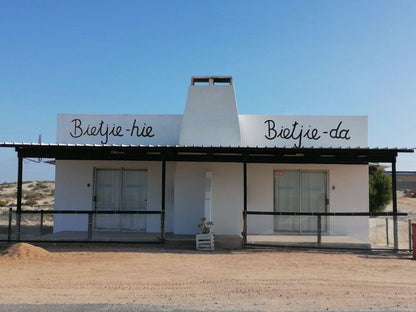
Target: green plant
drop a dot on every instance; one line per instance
(205, 226)
(380, 189)
(3, 203)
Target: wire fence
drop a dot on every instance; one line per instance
(354, 230)
(381, 230)
(81, 226)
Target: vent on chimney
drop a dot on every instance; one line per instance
(211, 80)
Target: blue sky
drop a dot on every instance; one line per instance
(286, 57)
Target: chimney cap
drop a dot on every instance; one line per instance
(212, 79)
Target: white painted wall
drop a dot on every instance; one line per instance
(303, 131)
(73, 193)
(185, 195)
(210, 117)
(119, 129)
(226, 197)
(350, 194)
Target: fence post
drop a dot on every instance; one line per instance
(414, 240)
(41, 223)
(244, 233)
(9, 229)
(162, 226)
(18, 223)
(410, 235)
(387, 231)
(319, 229)
(89, 226)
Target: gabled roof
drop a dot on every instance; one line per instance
(258, 154)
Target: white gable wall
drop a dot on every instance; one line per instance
(119, 129)
(303, 131)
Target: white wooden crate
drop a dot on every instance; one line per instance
(205, 242)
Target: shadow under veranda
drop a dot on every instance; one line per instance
(154, 248)
(159, 248)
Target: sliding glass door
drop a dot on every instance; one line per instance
(299, 191)
(120, 190)
(133, 197)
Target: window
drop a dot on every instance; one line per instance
(300, 191)
(120, 190)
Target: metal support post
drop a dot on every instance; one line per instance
(387, 232)
(19, 194)
(394, 190)
(244, 233)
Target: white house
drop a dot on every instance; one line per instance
(212, 162)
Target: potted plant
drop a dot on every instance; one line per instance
(205, 239)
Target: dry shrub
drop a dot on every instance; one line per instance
(40, 186)
(33, 195)
(31, 202)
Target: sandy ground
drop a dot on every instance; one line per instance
(133, 278)
(250, 280)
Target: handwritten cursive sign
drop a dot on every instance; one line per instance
(299, 132)
(105, 130)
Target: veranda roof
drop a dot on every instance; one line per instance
(249, 154)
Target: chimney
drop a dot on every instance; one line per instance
(211, 116)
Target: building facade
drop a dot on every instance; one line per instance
(195, 187)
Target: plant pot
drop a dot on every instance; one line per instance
(205, 242)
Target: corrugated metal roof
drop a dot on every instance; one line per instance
(237, 154)
(23, 144)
